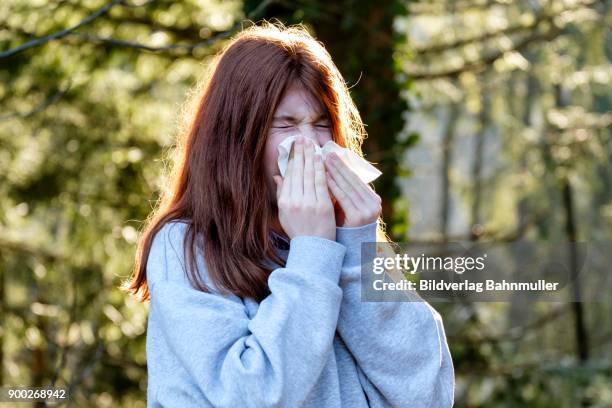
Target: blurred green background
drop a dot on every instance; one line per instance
(490, 120)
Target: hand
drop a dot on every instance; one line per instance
(304, 204)
(358, 204)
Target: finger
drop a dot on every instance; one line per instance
(290, 161)
(321, 190)
(341, 196)
(278, 180)
(309, 176)
(349, 176)
(297, 173)
(368, 196)
(341, 182)
(287, 184)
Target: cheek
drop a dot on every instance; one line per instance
(271, 156)
(324, 136)
(270, 169)
(270, 159)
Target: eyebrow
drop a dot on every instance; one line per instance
(290, 118)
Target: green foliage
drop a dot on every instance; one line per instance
(84, 131)
(512, 101)
(88, 119)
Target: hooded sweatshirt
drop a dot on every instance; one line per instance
(311, 342)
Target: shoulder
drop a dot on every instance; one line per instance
(167, 266)
(173, 228)
(172, 234)
(166, 260)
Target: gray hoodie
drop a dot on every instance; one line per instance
(311, 343)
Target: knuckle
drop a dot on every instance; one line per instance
(322, 208)
(372, 211)
(309, 207)
(283, 203)
(294, 206)
(355, 220)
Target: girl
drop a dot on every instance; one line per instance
(254, 279)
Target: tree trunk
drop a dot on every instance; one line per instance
(448, 140)
(571, 231)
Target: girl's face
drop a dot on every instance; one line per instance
(297, 113)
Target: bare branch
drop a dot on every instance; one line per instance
(513, 29)
(59, 34)
(517, 28)
(49, 100)
(132, 16)
(185, 47)
(431, 7)
(479, 65)
(161, 49)
(23, 247)
(176, 47)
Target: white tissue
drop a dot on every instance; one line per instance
(363, 169)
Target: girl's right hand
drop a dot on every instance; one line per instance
(304, 204)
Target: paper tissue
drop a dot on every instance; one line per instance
(363, 169)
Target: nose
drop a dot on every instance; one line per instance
(308, 132)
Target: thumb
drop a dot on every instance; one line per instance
(278, 180)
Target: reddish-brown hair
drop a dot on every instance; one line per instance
(217, 182)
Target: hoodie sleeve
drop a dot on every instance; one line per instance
(272, 358)
(400, 346)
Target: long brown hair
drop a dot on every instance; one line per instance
(218, 182)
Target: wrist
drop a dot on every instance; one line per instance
(319, 255)
(353, 237)
(327, 235)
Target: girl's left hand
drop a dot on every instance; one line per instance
(358, 204)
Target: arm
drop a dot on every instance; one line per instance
(400, 346)
(271, 359)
